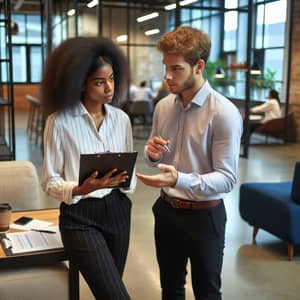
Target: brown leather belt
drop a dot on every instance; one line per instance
(188, 204)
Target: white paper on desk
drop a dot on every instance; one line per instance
(30, 241)
(36, 224)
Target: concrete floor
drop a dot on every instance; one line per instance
(259, 271)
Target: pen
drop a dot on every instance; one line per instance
(165, 146)
(42, 230)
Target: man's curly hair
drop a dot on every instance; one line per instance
(192, 43)
(69, 65)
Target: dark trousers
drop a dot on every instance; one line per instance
(198, 235)
(95, 234)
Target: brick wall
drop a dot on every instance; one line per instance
(295, 68)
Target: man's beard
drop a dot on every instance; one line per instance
(188, 83)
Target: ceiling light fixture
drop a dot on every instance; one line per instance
(18, 4)
(152, 31)
(181, 3)
(71, 12)
(219, 73)
(170, 6)
(148, 17)
(186, 2)
(14, 28)
(122, 38)
(92, 3)
(255, 69)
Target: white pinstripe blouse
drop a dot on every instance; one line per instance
(71, 133)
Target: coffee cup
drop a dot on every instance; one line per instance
(5, 216)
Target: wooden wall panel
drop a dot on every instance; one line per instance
(20, 92)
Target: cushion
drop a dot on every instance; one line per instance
(19, 184)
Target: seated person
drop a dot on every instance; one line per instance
(271, 108)
(143, 92)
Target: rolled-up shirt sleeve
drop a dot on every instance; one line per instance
(52, 182)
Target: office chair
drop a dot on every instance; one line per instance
(140, 114)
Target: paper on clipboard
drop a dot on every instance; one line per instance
(106, 161)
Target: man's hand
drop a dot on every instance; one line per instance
(93, 183)
(156, 148)
(168, 177)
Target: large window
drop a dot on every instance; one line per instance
(267, 45)
(204, 18)
(270, 37)
(26, 49)
(230, 26)
(227, 30)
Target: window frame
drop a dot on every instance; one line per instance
(28, 45)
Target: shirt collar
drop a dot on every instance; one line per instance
(201, 95)
(80, 109)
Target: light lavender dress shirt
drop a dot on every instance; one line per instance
(205, 143)
(71, 133)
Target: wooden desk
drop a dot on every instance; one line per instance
(43, 257)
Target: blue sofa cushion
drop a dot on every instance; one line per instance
(296, 183)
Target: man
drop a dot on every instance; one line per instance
(195, 142)
(143, 92)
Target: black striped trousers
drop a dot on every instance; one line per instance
(95, 234)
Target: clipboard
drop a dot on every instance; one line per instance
(17, 243)
(106, 161)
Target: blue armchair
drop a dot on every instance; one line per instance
(274, 207)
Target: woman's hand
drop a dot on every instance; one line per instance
(156, 148)
(92, 183)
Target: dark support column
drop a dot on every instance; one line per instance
(288, 79)
(128, 47)
(100, 17)
(76, 18)
(11, 116)
(248, 88)
(177, 14)
(49, 13)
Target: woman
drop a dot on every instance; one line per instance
(82, 76)
(271, 108)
